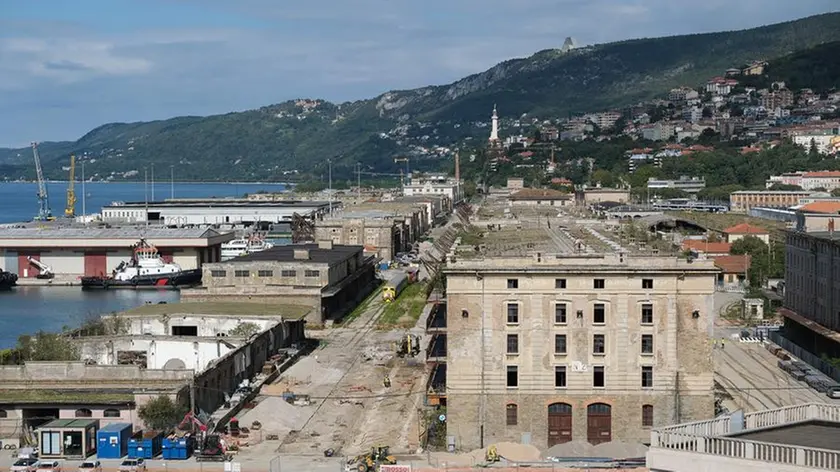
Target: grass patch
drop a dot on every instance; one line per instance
(406, 309)
(64, 396)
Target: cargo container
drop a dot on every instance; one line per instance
(113, 441)
(145, 445)
(177, 448)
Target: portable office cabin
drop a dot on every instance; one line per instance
(68, 438)
(113, 441)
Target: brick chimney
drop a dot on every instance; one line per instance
(457, 166)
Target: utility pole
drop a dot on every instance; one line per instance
(192, 401)
(329, 164)
(359, 179)
(482, 406)
(84, 194)
(171, 182)
(146, 192)
(153, 182)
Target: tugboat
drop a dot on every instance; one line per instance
(145, 269)
(7, 280)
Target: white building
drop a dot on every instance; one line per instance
(827, 143)
(434, 184)
(686, 184)
(213, 211)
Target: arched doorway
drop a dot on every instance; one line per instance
(599, 423)
(559, 423)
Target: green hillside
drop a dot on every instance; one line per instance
(262, 144)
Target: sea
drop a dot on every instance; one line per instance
(26, 310)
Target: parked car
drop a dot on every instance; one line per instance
(25, 464)
(133, 465)
(90, 466)
(48, 466)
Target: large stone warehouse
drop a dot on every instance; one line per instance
(95, 251)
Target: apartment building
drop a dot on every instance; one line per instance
(744, 200)
(554, 348)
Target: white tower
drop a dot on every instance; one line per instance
(494, 130)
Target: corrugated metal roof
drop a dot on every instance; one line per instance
(107, 233)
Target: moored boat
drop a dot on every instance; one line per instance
(243, 246)
(145, 269)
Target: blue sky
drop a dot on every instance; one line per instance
(67, 66)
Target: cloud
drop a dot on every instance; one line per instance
(61, 76)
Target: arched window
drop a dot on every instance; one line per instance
(599, 423)
(647, 416)
(111, 413)
(559, 423)
(512, 414)
(4, 414)
(83, 413)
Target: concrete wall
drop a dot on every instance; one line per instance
(162, 352)
(51, 373)
(376, 235)
(64, 261)
(208, 326)
(669, 460)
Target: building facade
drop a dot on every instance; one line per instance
(744, 200)
(686, 184)
(436, 184)
(214, 211)
(558, 348)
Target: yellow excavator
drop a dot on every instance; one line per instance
(371, 461)
(407, 346)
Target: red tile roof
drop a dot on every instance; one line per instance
(821, 207)
(733, 264)
(745, 228)
(822, 173)
(705, 246)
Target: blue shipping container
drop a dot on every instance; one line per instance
(147, 447)
(177, 449)
(112, 441)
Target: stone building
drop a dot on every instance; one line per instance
(551, 349)
(379, 233)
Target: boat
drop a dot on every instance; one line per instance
(243, 246)
(145, 269)
(7, 280)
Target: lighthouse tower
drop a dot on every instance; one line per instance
(494, 130)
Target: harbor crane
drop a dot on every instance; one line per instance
(70, 209)
(44, 212)
(402, 159)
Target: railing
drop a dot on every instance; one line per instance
(705, 437)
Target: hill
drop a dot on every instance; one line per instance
(265, 144)
(816, 68)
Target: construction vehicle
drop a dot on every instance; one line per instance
(492, 455)
(45, 271)
(212, 449)
(70, 209)
(44, 212)
(371, 461)
(408, 346)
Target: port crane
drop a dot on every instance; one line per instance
(44, 212)
(402, 159)
(70, 209)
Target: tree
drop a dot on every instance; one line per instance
(161, 413)
(45, 346)
(784, 187)
(765, 261)
(604, 177)
(245, 330)
(835, 192)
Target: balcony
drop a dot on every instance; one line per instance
(436, 386)
(436, 322)
(436, 352)
(792, 439)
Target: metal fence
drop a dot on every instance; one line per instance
(806, 356)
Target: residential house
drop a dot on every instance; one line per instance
(733, 270)
(739, 231)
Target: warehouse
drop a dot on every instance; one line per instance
(213, 211)
(75, 252)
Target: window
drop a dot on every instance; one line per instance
(83, 413)
(288, 273)
(598, 376)
(511, 413)
(265, 273)
(647, 416)
(218, 273)
(560, 344)
(647, 344)
(598, 344)
(560, 376)
(241, 273)
(111, 413)
(559, 283)
(599, 313)
(513, 313)
(513, 283)
(598, 283)
(312, 273)
(512, 376)
(560, 313)
(513, 344)
(647, 376)
(647, 313)
(647, 283)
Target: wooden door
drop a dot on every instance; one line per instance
(599, 423)
(559, 423)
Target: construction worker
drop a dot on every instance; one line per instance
(721, 342)
(386, 381)
(714, 343)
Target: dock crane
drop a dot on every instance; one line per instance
(402, 159)
(44, 212)
(70, 209)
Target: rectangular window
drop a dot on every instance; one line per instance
(559, 283)
(560, 344)
(647, 283)
(312, 273)
(218, 273)
(647, 344)
(511, 413)
(265, 273)
(241, 273)
(599, 344)
(513, 283)
(512, 376)
(647, 313)
(288, 273)
(560, 313)
(513, 313)
(513, 344)
(598, 379)
(599, 313)
(598, 283)
(647, 416)
(647, 376)
(560, 376)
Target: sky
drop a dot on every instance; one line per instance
(67, 66)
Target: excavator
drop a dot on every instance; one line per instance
(407, 346)
(371, 461)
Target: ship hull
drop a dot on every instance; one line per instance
(184, 278)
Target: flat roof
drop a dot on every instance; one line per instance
(67, 423)
(337, 254)
(53, 396)
(132, 233)
(222, 203)
(268, 310)
(817, 434)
